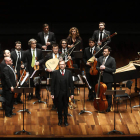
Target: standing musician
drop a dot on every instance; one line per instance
(107, 65)
(63, 49)
(8, 80)
(17, 56)
(45, 38)
(61, 89)
(6, 53)
(34, 58)
(73, 38)
(100, 34)
(92, 79)
(55, 54)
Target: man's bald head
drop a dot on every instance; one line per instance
(8, 60)
(6, 53)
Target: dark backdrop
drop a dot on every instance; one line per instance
(23, 20)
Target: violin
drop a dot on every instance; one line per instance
(93, 70)
(100, 102)
(36, 67)
(22, 73)
(70, 63)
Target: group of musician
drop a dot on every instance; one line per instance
(62, 85)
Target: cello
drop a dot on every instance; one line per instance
(100, 102)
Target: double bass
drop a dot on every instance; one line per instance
(100, 102)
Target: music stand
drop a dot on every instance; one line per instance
(114, 92)
(35, 74)
(23, 90)
(45, 52)
(25, 110)
(78, 54)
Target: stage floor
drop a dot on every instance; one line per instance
(43, 122)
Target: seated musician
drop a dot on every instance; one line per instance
(92, 79)
(63, 49)
(34, 58)
(17, 56)
(8, 80)
(107, 65)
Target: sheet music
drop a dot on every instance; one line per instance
(27, 74)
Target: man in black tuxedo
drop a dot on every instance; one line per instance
(34, 57)
(45, 38)
(100, 34)
(17, 56)
(107, 65)
(8, 80)
(92, 79)
(61, 89)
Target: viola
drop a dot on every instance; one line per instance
(36, 67)
(100, 102)
(93, 70)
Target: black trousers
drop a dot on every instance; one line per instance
(37, 88)
(92, 80)
(109, 97)
(9, 100)
(62, 104)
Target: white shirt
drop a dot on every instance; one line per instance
(66, 57)
(17, 53)
(92, 49)
(63, 71)
(54, 55)
(106, 58)
(102, 35)
(46, 36)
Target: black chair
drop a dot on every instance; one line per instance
(126, 96)
(2, 100)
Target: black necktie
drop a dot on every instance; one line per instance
(18, 56)
(100, 36)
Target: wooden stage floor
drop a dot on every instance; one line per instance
(43, 122)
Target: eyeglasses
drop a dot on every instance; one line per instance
(64, 43)
(33, 43)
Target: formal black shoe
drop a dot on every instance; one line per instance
(8, 115)
(13, 113)
(15, 103)
(66, 123)
(19, 101)
(29, 98)
(60, 122)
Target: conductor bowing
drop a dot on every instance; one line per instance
(61, 89)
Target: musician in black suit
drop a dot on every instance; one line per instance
(31, 55)
(45, 38)
(64, 48)
(92, 79)
(100, 34)
(107, 65)
(6, 53)
(61, 89)
(8, 80)
(17, 56)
